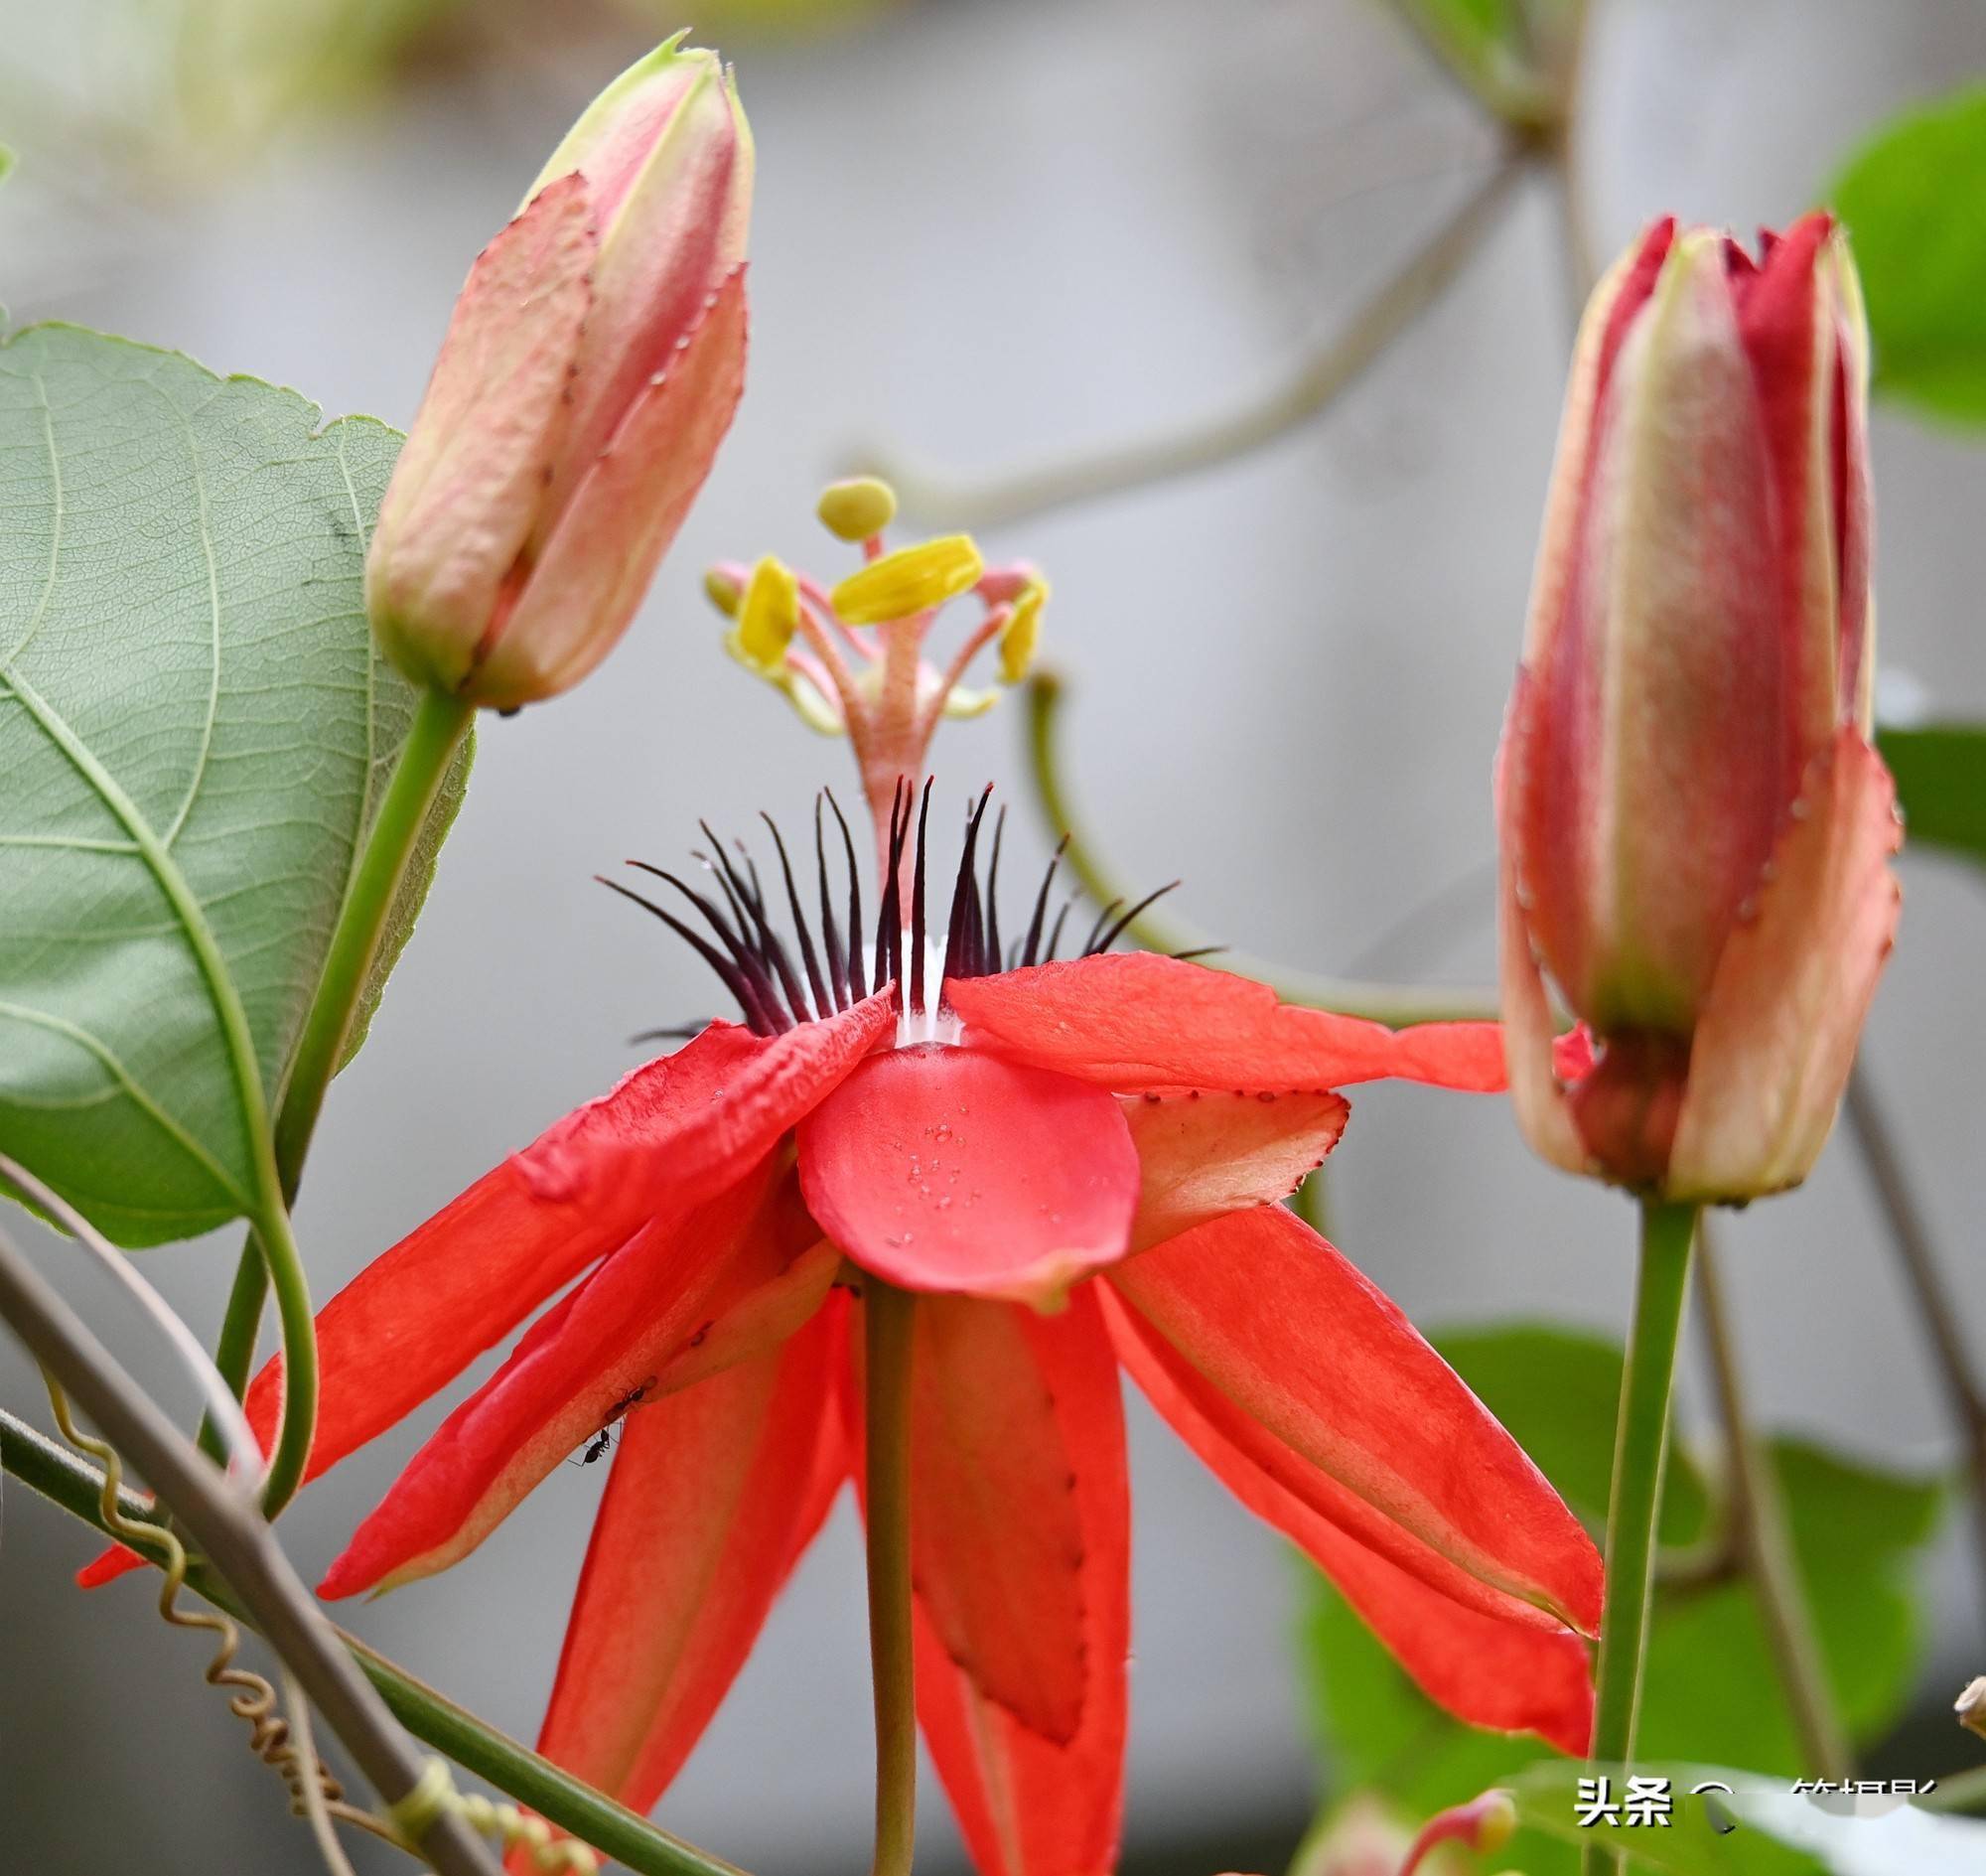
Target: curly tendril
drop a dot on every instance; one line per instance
(252, 1699)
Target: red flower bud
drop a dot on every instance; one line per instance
(1695, 829)
(590, 369)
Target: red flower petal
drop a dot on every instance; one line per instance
(1510, 1675)
(737, 1274)
(1202, 1156)
(715, 1493)
(1135, 1022)
(108, 1566)
(1029, 1804)
(942, 1169)
(1539, 1069)
(1308, 1369)
(670, 1136)
(996, 1533)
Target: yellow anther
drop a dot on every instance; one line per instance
(1023, 632)
(768, 616)
(723, 591)
(910, 580)
(858, 508)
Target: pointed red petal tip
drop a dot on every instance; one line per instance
(108, 1567)
(944, 1169)
(1135, 1023)
(1634, 288)
(1775, 294)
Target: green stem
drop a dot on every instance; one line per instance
(438, 729)
(440, 722)
(1393, 1003)
(234, 1352)
(300, 1374)
(1760, 1514)
(1641, 1446)
(890, 1322)
(74, 1484)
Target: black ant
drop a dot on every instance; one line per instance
(595, 1448)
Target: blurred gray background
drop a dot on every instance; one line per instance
(988, 232)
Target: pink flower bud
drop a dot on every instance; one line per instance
(590, 369)
(1695, 829)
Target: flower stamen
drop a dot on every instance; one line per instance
(854, 657)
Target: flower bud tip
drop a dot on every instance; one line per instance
(1484, 1823)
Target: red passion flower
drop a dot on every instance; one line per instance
(1077, 1165)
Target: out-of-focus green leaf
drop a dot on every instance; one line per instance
(1712, 1690)
(1771, 1832)
(733, 23)
(1856, 1531)
(242, 71)
(194, 734)
(1909, 200)
(1940, 772)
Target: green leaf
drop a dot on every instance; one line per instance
(1712, 1690)
(195, 731)
(1908, 199)
(1940, 772)
(1774, 1833)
